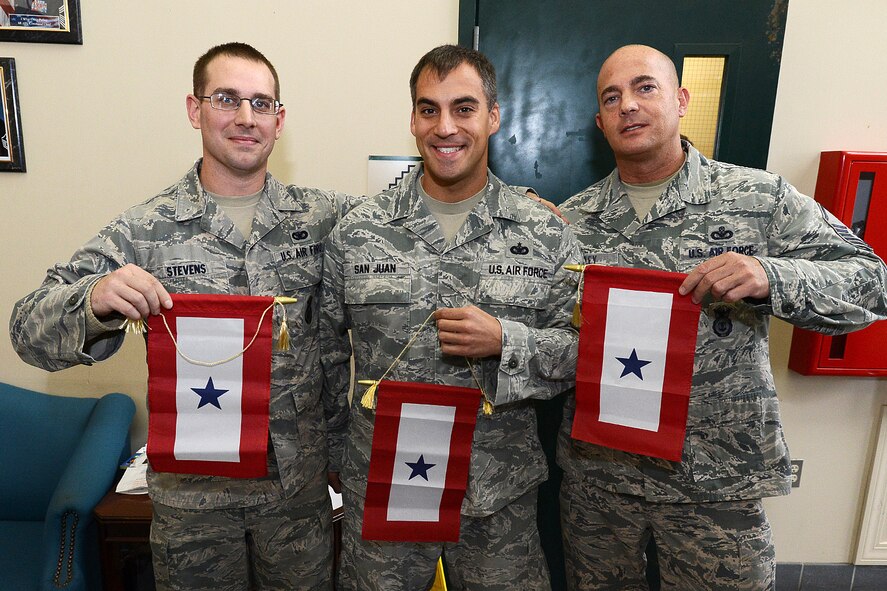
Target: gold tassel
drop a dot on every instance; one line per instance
(577, 307)
(369, 397)
(134, 326)
(488, 408)
(283, 338)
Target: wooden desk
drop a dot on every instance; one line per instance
(124, 526)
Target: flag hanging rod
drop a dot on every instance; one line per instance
(576, 268)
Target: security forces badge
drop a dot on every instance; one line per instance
(722, 325)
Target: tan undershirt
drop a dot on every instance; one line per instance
(241, 210)
(644, 195)
(450, 216)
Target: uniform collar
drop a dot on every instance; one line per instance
(192, 203)
(691, 186)
(498, 202)
(407, 208)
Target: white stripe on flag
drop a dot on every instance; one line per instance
(208, 433)
(424, 431)
(639, 321)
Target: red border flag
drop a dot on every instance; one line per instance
(210, 419)
(419, 463)
(636, 348)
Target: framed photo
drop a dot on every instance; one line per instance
(40, 21)
(12, 149)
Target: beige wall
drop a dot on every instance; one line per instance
(92, 150)
(832, 85)
(105, 126)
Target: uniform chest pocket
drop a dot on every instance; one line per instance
(299, 273)
(378, 283)
(513, 298)
(378, 289)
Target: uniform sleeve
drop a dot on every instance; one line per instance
(48, 327)
(822, 277)
(540, 361)
(335, 350)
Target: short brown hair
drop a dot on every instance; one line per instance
(446, 58)
(241, 50)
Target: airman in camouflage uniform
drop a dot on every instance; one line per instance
(212, 532)
(753, 247)
(388, 266)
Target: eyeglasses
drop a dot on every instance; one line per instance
(227, 102)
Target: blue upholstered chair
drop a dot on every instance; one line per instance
(58, 457)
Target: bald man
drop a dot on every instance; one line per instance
(753, 247)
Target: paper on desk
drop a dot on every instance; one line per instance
(135, 478)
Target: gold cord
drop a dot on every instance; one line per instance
(368, 400)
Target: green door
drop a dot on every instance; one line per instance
(547, 55)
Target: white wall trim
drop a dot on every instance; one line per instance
(872, 545)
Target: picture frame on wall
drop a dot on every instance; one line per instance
(40, 21)
(12, 148)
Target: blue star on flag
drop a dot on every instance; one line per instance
(632, 364)
(209, 395)
(419, 468)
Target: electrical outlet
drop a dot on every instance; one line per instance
(797, 466)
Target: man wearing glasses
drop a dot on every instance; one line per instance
(226, 227)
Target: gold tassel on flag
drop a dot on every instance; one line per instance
(135, 326)
(488, 406)
(577, 307)
(283, 339)
(369, 397)
(368, 400)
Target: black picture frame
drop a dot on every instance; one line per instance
(12, 147)
(54, 21)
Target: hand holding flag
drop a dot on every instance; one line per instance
(419, 461)
(636, 349)
(209, 368)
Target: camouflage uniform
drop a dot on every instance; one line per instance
(387, 268)
(821, 277)
(185, 240)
